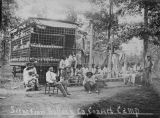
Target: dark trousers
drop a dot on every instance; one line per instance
(60, 72)
(32, 85)
(89, 87)
(14, 74)
(148, 77)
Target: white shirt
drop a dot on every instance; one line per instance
(105, 70)
(124, 69)
(134, 68)
(100, 71)
(85, 70)
(86, 79)
(50, 77)
(70, 59)
(26, 76)
(138, 67)
(67, 64)
(74, 58)
(93, 70)
(62, 64)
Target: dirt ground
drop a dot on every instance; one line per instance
(18, 101)
(116, 96)
(143, 102)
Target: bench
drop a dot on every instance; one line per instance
(102, 82)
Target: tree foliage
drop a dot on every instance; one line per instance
(71, 15)
(9, 20)
(141, 30)
(101, 21)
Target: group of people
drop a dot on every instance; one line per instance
(132, 72)
(68, 62)
(68, 68)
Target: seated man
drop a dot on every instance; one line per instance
(105, 72)
(89, 83)
(136, 76)
(30, 77)
(85, 69)
(79, 74)
(93, 69)
(126, 75)
(98, 73)
(51, 78)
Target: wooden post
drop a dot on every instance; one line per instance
(145, 43)
(109, 39)
(91, 46)
(145, 40)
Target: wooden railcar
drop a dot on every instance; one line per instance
(44, 40)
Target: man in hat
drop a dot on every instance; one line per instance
(30, 77)
(148, 69)
(89, 83)
(51, 78)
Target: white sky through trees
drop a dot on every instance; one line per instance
(57, 9)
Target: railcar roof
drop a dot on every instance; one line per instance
(49, 22)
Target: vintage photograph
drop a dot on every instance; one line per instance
(80, 59)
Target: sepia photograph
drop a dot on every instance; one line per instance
(80, 59)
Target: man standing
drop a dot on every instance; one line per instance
(61, 66)
(148, 70)
(67, 63)
(74, 64)
(51, 79)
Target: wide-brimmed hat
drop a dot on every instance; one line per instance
(89, 73)
(148, 56)
(29, 64)
(97, 67)
(33, 61)
(50, 68)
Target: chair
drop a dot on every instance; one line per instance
(49, 86)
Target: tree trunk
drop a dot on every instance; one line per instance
(91, 48)
(156, 63)
(109, 39)
(145, 39)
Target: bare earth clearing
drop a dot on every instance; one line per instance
(19, 104)
(38, 101)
